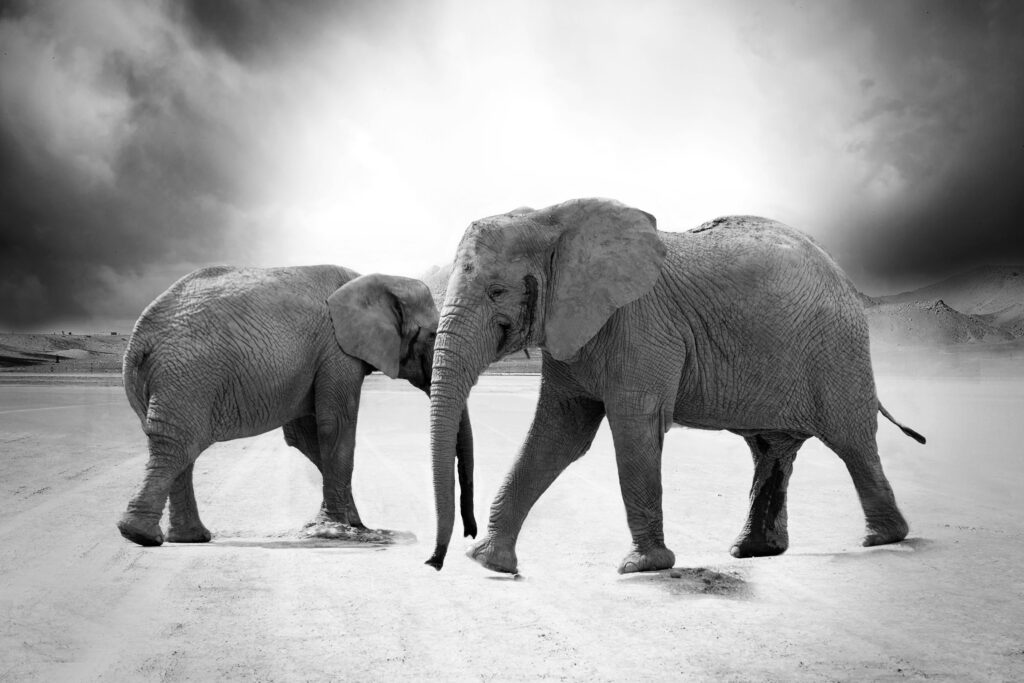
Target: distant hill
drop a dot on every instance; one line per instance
(985, 304)
(62, 352)
(930, 323)
(985, 289)
(1010, 319)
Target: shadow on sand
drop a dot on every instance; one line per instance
(727, 583)
(907, 547)
(364, 539)
(495, 576)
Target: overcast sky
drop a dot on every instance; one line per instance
(140, 140)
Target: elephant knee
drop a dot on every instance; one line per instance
(327, 430)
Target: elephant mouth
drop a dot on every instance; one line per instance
(416, 362)
(516, 334)
(506, 337)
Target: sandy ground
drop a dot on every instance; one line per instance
(259, 603)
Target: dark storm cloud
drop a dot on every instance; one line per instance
(119, 159)
(945, 111)
(260, 32)
(252, 30)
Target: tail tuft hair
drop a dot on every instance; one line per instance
(906, 430)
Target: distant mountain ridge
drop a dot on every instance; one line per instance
(64, 352)
(933, 322)
(985, 289)
(984, 304)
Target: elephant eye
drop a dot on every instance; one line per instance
(495, 292)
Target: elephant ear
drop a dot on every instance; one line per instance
(375, 315)
(608, 255)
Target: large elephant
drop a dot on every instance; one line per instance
(233, 352)
(741, 324)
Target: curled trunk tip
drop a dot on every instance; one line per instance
(437, 559)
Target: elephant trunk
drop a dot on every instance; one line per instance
(464, 457)
(455, 371)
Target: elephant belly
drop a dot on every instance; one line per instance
(698, 420)
(249, 412)
(754, 415)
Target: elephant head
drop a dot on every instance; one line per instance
(551, 278)
(391, 323)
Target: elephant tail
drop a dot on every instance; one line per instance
(906, 430)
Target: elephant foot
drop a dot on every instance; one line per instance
(323, 519)
(140, 532)
(763, 546)
(494, 557)
(654, 559)
(890, 530)
(196, 533)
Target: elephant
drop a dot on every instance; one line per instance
(741, 324)
(231, 352)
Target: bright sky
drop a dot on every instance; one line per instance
(143, 140)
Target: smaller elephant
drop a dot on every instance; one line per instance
(230, 352)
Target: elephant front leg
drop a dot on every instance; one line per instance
(765, 531)
(185, 526)
(562, 431)
(301, 433)
(337, 456)
(638, 443)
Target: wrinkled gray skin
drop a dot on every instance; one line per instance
(742, 324)
(233, 352)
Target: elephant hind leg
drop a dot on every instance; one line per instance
(765, 531)
(169, 457)
(884, 521)
(185, 526)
